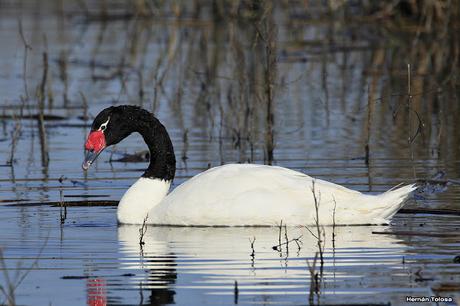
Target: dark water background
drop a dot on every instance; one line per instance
(308, 86)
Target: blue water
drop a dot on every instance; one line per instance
(320, 111)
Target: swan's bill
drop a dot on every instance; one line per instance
(90, 157)
(94, 145)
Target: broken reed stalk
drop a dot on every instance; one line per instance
(155, 93)
(9, 291)
(159, 76)
(235, 293)
(142, 231)
(314, 285)
(409, 107)
(141, 294)
(333, 224)
(14, 138)
(333, 234)
(370, 106)
(63, 215)
(269, 76)
(316, 278)
(63, 75)
(13, 284)
(324, 75)
(49, 91)
(253, 253)
(85, 106)
(27, 47)
(319, 230)
(286, 240)
(41, 107)
(279, 234)
(296, 240)
(18, 126)
(268, 37)
(141, 91)
(185, 147)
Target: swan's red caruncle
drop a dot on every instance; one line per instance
(95, 141)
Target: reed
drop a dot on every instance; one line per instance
(279, 247)
(409, 104)
(185, 145)
(333, 224)
(280, 227)
(253, 254)
(141, 91)
(12, 282)
(27, 48)
(319, 228)
(370, 108)
(85, 107)
(17, 131)
(15, 134)
(62, 207)
(64, 76)
(314, 287)
(269, 38)
(142, 231)
(316, 278)
(235, 292)
(41, 108)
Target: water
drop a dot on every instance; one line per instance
(205, 81)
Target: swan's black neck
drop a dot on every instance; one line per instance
(162, 160)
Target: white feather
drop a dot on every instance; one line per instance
(140, 198)
(255, 195)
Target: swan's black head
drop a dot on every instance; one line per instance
(110, 126)
(115, 123)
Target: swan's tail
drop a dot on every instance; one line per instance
(392, 200)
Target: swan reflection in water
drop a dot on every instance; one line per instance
(208, 261)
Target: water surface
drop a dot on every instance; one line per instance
(203, 74)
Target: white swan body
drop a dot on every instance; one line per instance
(230, 195)
(255, 195)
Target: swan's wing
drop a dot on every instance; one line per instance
(242, 194)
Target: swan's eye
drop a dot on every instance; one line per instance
(104, 125)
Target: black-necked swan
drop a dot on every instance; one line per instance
(229, 195)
